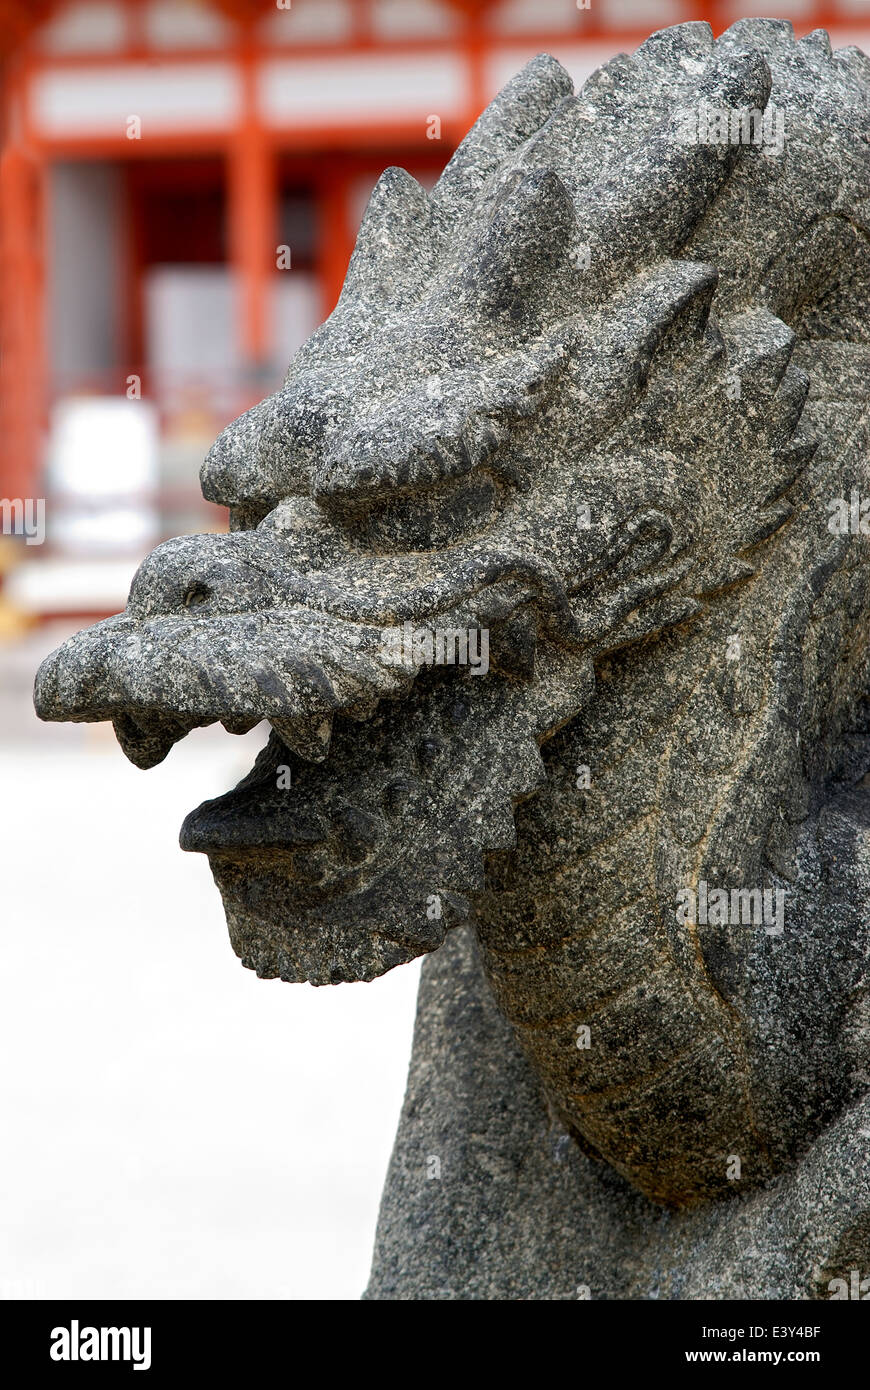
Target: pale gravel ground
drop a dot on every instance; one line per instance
(174, 1127)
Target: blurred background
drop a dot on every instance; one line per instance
(180, 187)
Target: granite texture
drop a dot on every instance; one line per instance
(514, 1210)
(548, 568)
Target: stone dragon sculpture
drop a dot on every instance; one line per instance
(594, 397)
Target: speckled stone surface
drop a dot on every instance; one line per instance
(547, 568)
(488, 1196)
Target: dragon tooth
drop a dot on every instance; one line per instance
(308, 737)
(147, 738)
(239, 725)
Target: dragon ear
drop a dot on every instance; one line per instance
(652, 325)
(516, 257)
(645, 208)
(512, 117)
(773, 35)
(393, 256)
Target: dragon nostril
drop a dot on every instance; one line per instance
(197, 593)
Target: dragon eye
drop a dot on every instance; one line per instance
(196, 594)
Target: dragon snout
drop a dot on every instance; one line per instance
(71, 683)
(86, 681)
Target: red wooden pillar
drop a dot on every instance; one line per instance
(335, 234)
(252, 220)
(22, 197)
(477, 94)
(22, 367)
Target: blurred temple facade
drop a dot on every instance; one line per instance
(180, 187)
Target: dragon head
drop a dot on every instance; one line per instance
(515, 447)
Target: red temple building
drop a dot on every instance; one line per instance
(180, 187)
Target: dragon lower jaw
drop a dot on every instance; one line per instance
(342, 941)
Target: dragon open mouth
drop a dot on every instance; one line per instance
(359, 837)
